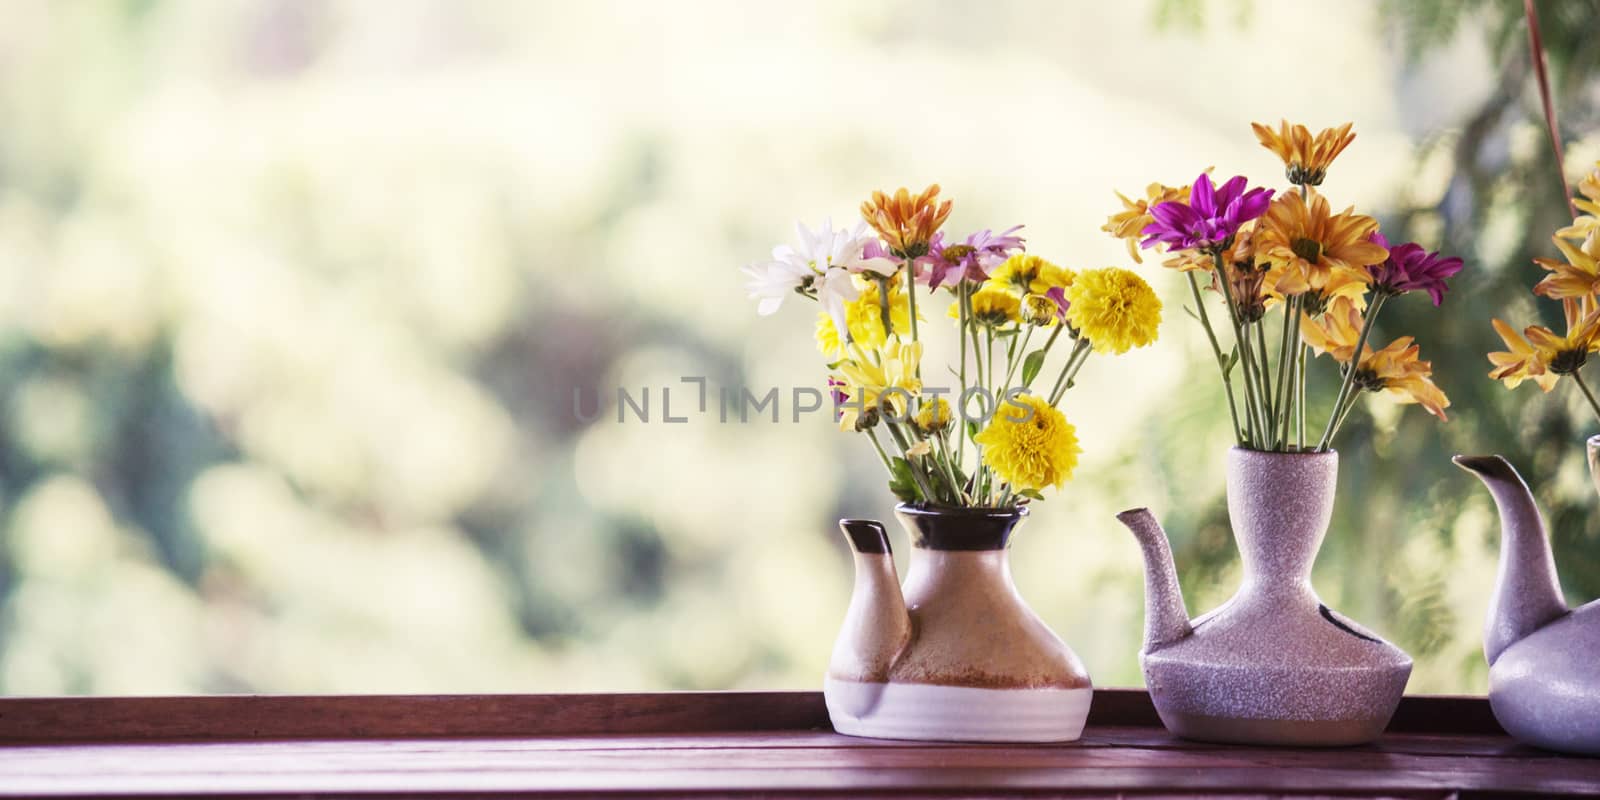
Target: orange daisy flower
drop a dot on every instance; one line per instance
(1577, 277)
(1306, 158)
(1335, 332)
(1397, 370)
(1311, 249)
(906, 222)
(1129, 223)
(1520, 361)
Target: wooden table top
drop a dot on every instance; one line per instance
(767, 744)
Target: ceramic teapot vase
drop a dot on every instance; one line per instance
(1273, 665)
(955, 654)
(1544, 659)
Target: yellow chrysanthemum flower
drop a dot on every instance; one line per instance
(878, 378)
(905, 221)
(1306, 158)
(1030, 444)
(1114, 308)
(1397, 370)
(992, 306)
(934, 416)
(1129, 223)
(1309, 247)
(864, 317)
(1029, 274)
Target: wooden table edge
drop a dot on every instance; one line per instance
(26, 720)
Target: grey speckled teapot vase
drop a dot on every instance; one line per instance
(1273, 665)
(1544, 685)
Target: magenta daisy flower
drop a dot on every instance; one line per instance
(1211, 217)
(1411, 268)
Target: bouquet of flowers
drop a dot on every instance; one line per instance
(1538, 353)
(1328, 274)
(1015, 313)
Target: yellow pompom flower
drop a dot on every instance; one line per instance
(1030, 444)
(1114, 308)
(934, 416)
(864, 317)
(992, 306)
(1029, 274)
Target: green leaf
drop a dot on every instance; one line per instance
(1031, 494)
(1031, 366)
(1190, 312)
(1007, 332)
(972, 430)
(1233, 361)
(902, 483)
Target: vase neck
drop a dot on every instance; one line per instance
(1280, 505)
(945, 573)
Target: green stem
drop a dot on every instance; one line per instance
(988, 339)
(1350, 374)
(877, 445)
(911, 300)
(949, 471)
(883, 307)
(961, 333)
(903, 444)
(1593, 404)
(1252, 389)
(1069, 371)
(1273, 401)
(1300, 398)
(1291, 342)
(1013, 361)
(1216, 349)
(1348, 407)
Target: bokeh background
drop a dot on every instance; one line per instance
(294, 297)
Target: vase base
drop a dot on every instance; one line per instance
(929, 712)
(1281, 732)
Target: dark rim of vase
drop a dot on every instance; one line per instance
(963, 529)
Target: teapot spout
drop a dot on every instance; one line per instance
(1527, 592)
(1166, 619)
(877, 627)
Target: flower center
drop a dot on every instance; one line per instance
(1308, 249)
(1369, 380)
(954, 253)
(1567, 362)
(1300, 176)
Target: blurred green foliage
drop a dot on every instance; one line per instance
(293, 296)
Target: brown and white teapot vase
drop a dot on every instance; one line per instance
(955, 654)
